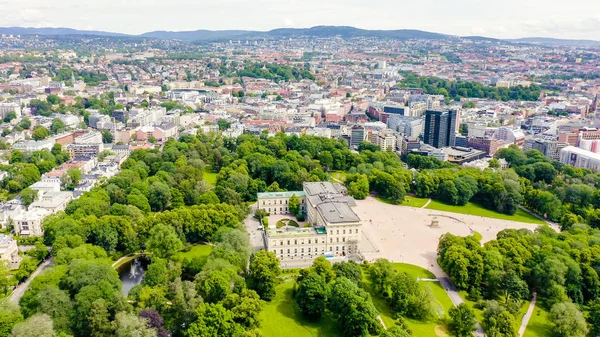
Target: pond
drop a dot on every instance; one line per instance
(132, 272)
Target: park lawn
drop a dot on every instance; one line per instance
(539, 325)
(408, 201)
(200, 250)
(281, 317)
(339, 175)
(209, 176)
(475, 209)
(414, 201)
(425, 329)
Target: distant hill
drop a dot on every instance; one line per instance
(53, 31)
(350, 32)
(317, 32)
(556, 42)
(198, 35)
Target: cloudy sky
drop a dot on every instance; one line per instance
(576, 19)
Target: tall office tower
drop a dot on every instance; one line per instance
(440, 128)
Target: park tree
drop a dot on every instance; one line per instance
(567, 320)
(155, 321)
(213, 320)
(9, 317)
(37, 325)
(99, 319)
(312, 295)
(323, 267)
(264, 270)
(294, 204)
(594, 316)
(28, 196)
(159, 196)
(462, 321)
(358, 186)
(380, 274)
(163, 241)
(350, 270)
(395, 331)
(5, 279)
(497, 321)
(130, 325)
(354, 309)
(107, 136)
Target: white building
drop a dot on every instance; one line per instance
(9, 252)
(32, 145)
(334, 227)
(581, 158)
(30, 223)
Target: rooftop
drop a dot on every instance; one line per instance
(337, 212)
(278, 195)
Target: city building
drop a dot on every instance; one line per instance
(487, 145)
(510, 135)
(9, 251)
(30, 223)
(581, 158)
(277, 202)
(334, 228)
(357, 135)
(440, 128)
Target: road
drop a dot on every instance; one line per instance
(456, 300)
(527, 316)
(21, 288)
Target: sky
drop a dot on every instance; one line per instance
(572, 19)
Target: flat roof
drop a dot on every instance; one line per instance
(321, 187)
(277, 195)
(337, 212)
(581, 152)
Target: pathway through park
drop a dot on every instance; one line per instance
(21, 288)
(527, 316)
(457, 300)
(427, 203)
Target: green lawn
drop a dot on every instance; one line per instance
(425, 329)
(209, 176)
(408, 201)
(414, 201)
(200, 250)
(281, 317)
(539, 325)
(339, 175)
(475, 209)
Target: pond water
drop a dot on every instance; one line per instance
(132, 273)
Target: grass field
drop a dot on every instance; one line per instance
(339, 175)
(539, 325)
(414, 201)
(209, 176)
(474, 209)
(425, 329)
(200, 250)
(281, 317)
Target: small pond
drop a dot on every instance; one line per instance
(132, 272)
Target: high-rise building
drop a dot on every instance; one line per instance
(440, 128)
(357, 135)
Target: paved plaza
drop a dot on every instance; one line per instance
(404, 234)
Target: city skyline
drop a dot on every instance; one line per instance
(510, 19)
